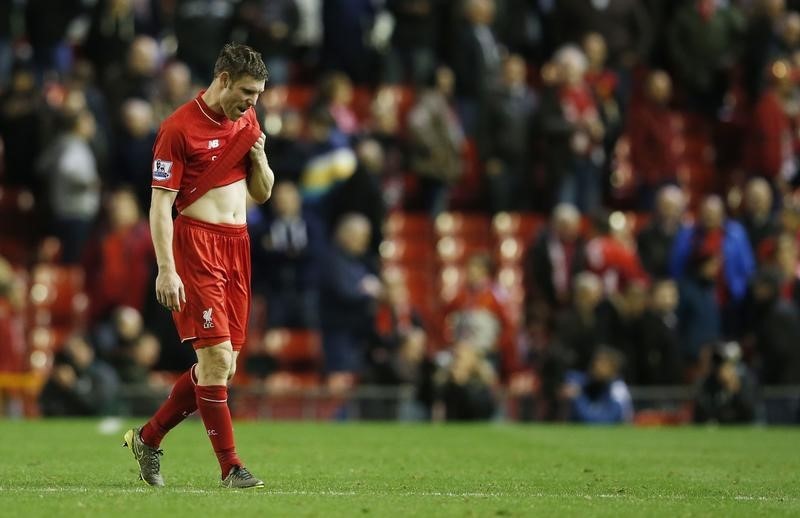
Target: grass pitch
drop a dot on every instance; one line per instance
(70, 468)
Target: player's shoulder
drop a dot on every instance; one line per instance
(176, 121)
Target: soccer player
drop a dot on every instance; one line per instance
(209, 154)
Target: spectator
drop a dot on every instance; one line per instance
(553, 134)
(583, 181)
(479, 316)
(336, 97)
(599, 396)
(436, 141)
(13, 349)
(465, 385)
(477, 62)
(611, 253)
(47, 35)
(348, 296)
(134, 145)
(704, 42)
(551, 263)
(654, 139)
(271, 27)
(760, 41)
(118, 333)
(506, 138)
(288, 249)
(345, 29)
(584, 326)
(70, 168)
(715, 253)
(134, 366)
(175, 90)
(605, 85)
(768, 148)
(759, 219)
(201, 28)
(288, 152)
(727, 393)
(654, 346)
(776, 329)
(398, 355)
(655, 241)
(138, 78)
(112, 28)
(329, 161)
(121, 259)
(622, 23)
(80, 384)
(386, 128)
(412, 55)
(21, 111)
(362, 193)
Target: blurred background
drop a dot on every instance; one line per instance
(538, 210)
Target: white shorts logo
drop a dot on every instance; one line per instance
(208, 324)
(162, 169)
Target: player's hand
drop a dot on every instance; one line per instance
(169, 290)
(257, 151)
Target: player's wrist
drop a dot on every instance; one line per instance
(163, 269)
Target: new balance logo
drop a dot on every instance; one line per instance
(213, 144)
(207, 324)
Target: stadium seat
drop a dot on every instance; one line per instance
(522, 225)
(467, 226)
(457, 250)
(407, 251)
(56, 296)
(295, 349)
(400, 224)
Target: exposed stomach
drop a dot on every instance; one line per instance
(226, 205)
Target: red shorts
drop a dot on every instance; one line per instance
(213, 261)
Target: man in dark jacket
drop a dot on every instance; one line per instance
(348, 296)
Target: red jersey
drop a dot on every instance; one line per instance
(189, 140)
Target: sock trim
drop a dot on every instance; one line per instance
(213, 400)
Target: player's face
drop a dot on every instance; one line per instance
(238, 96)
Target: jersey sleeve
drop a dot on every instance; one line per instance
(168, 158)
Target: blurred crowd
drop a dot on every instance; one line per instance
(652, 146)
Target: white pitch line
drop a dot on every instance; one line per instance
(277, 492)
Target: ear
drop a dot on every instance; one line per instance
(225, 79)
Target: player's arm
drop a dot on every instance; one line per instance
(169, 287)
(260, 178)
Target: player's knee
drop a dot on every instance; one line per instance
(214, 364)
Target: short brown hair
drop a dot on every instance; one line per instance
(238, 60)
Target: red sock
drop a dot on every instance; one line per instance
(179, 405)
(212, 401)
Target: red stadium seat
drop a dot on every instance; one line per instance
(400, 224)
(295, 349)
(522, 225)
(407, 251)
(467, 226)
(455, 250)
(56, 296)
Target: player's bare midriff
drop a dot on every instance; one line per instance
(225, 205)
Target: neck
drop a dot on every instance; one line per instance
(211, 96)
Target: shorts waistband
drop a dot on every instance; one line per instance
(217, 228)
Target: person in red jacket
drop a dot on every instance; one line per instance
(121, 259)
(654, 138)
(768, 150)
(478, 315)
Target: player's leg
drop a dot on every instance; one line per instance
(214, 367)
(144, 442)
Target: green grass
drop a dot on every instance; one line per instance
(68, 468)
